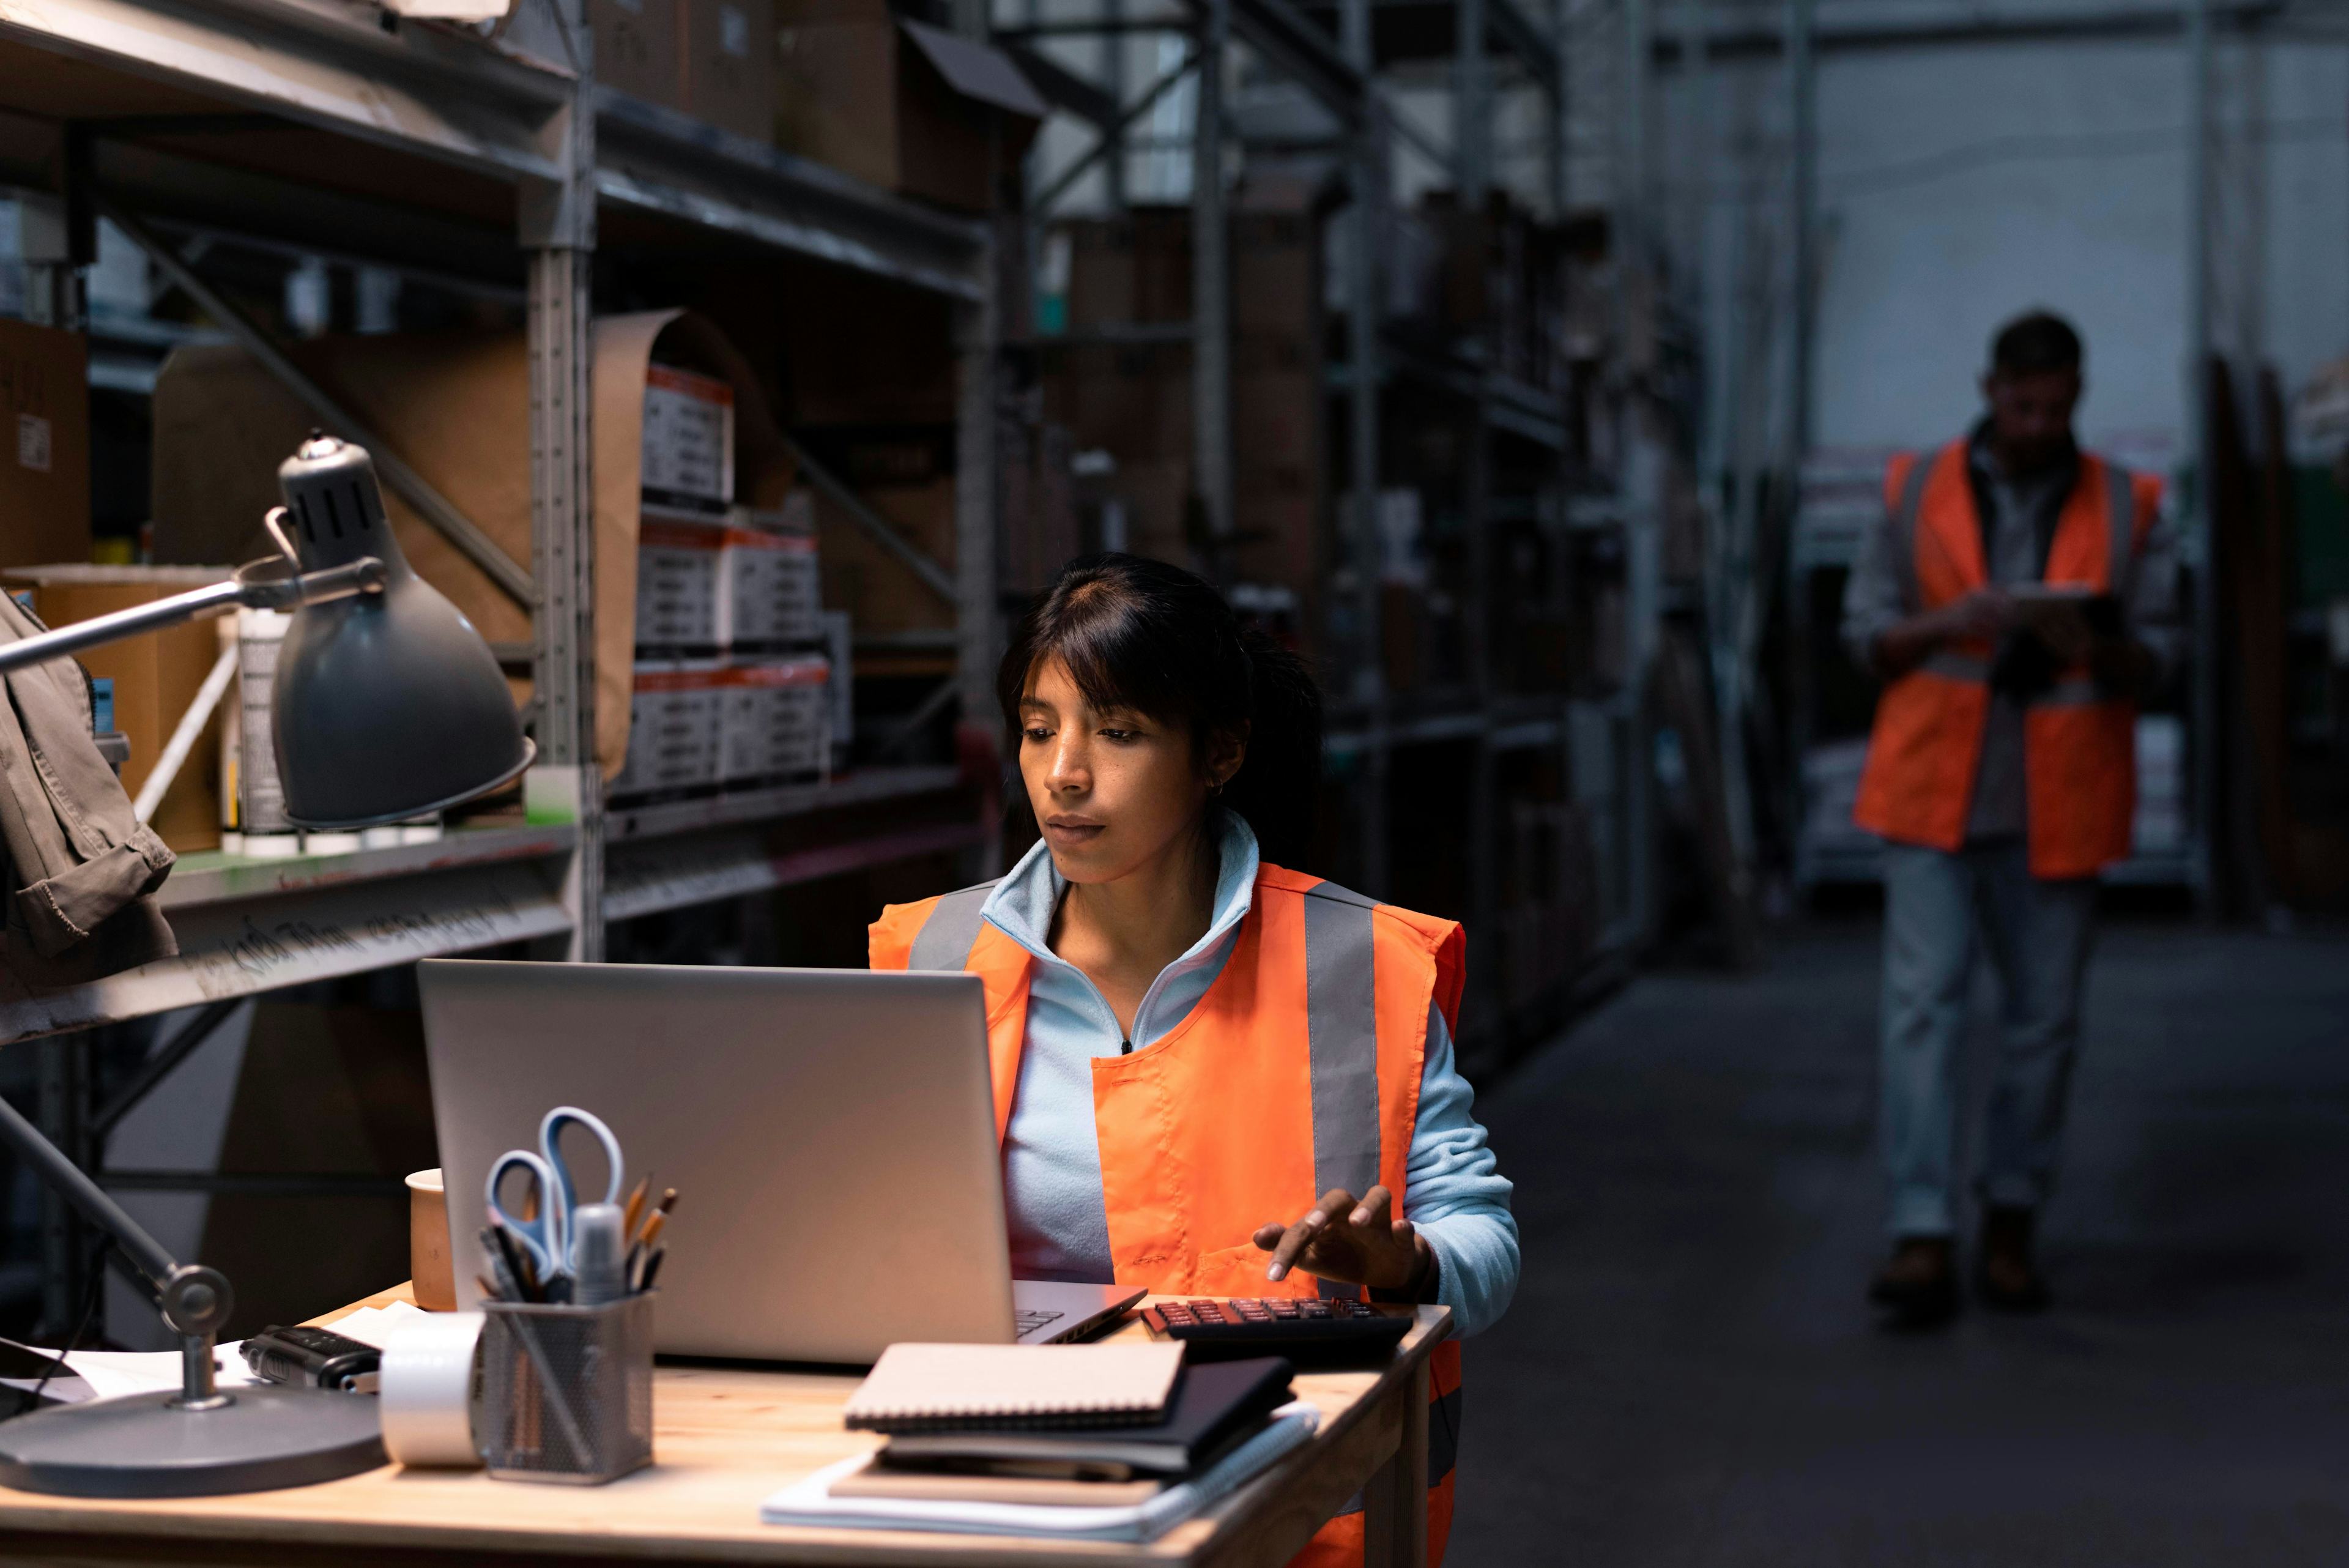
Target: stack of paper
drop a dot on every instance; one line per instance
(810, 1502)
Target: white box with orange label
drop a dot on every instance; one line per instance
(678, 558)
(776, 718)
(688, 447)
(769, 591)
(673, 727)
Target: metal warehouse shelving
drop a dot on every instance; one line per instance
(1338, 55)
(335, 125)
(488, 164)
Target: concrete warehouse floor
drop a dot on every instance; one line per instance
(1689, 1374)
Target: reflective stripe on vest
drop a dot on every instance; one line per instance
(2079, 757)
(945, 939)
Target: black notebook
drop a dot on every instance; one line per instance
(1214, 1401)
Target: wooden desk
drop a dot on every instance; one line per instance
(724, 1439)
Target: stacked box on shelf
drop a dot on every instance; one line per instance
(674, 737)
(686, 483)
(769, 592)
(1133, 400)
(774, 718)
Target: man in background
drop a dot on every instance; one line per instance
(2016, 600)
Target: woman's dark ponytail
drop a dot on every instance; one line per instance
(1153, 638)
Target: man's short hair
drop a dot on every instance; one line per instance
(2034, 344)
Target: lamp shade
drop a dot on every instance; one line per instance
(389, 704)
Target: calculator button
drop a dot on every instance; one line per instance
(1283, 1310)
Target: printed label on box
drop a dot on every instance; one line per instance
(688, 446)
(734, 31)
(677, 584)
(33, 442)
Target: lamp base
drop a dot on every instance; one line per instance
(143, 1445)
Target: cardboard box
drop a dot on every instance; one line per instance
(770, 590)
(673, 729)
(689, 443)
(880, 595)
(636, 48)
(728, 57)
(456, 406)
(775, 719)
(904, 105)
(45, 449)
(156, 677)
(677, 582)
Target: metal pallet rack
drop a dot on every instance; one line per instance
(335, 126)
(1330, 54)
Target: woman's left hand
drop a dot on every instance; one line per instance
(1359, 1242)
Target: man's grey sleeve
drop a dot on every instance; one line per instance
(2151, 600)
(1875, 600)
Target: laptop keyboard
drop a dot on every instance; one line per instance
(1031, 1319)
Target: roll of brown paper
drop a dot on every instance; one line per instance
(434, 1281)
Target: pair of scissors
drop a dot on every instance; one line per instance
(546, 1238)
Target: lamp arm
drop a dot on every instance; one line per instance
(247, 590)
(196, 1301)
(63, 1174)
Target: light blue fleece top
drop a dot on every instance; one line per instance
(1051, 1154)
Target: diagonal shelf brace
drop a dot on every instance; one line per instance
(410, 485)
(885, 533)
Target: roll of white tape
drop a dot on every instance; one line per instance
(431, 1379)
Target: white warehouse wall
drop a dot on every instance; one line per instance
(1959, 184)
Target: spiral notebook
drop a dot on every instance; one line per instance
(1015, 1387)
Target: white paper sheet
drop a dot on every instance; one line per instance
(375, 1325)
(810, 1502)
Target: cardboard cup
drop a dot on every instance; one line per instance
(432, 1278)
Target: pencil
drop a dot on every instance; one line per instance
(635, 1206)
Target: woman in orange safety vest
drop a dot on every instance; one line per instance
(1212, 1075)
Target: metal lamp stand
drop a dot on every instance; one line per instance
(203, 1439)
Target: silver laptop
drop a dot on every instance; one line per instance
(831, 1134)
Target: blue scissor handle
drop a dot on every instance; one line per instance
(540, 1238)
(550, 1145)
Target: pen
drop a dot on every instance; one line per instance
(652, 1268)
(516, 1265)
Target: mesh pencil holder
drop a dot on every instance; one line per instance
(567, 1391)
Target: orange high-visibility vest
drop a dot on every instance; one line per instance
(1298, 1070)
(2079, 742)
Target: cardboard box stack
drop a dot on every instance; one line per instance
(726, 691)
(1133, 401)
(456, 406)
(907, 107)
(155, 680)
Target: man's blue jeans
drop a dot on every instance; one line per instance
(2038, 935)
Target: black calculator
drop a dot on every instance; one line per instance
(1340, 1329)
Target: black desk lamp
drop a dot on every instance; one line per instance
(387, 705)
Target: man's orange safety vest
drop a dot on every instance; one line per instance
(2079, 742)
(1298, 1070)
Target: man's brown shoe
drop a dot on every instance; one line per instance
(2005, 1276)
(1918, 1287)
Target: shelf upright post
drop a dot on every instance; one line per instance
(1364, 312)
(557, 227)
(2202, 697)
(1471, 129)
(978, 332)
(1211, 297)
(55, 241)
